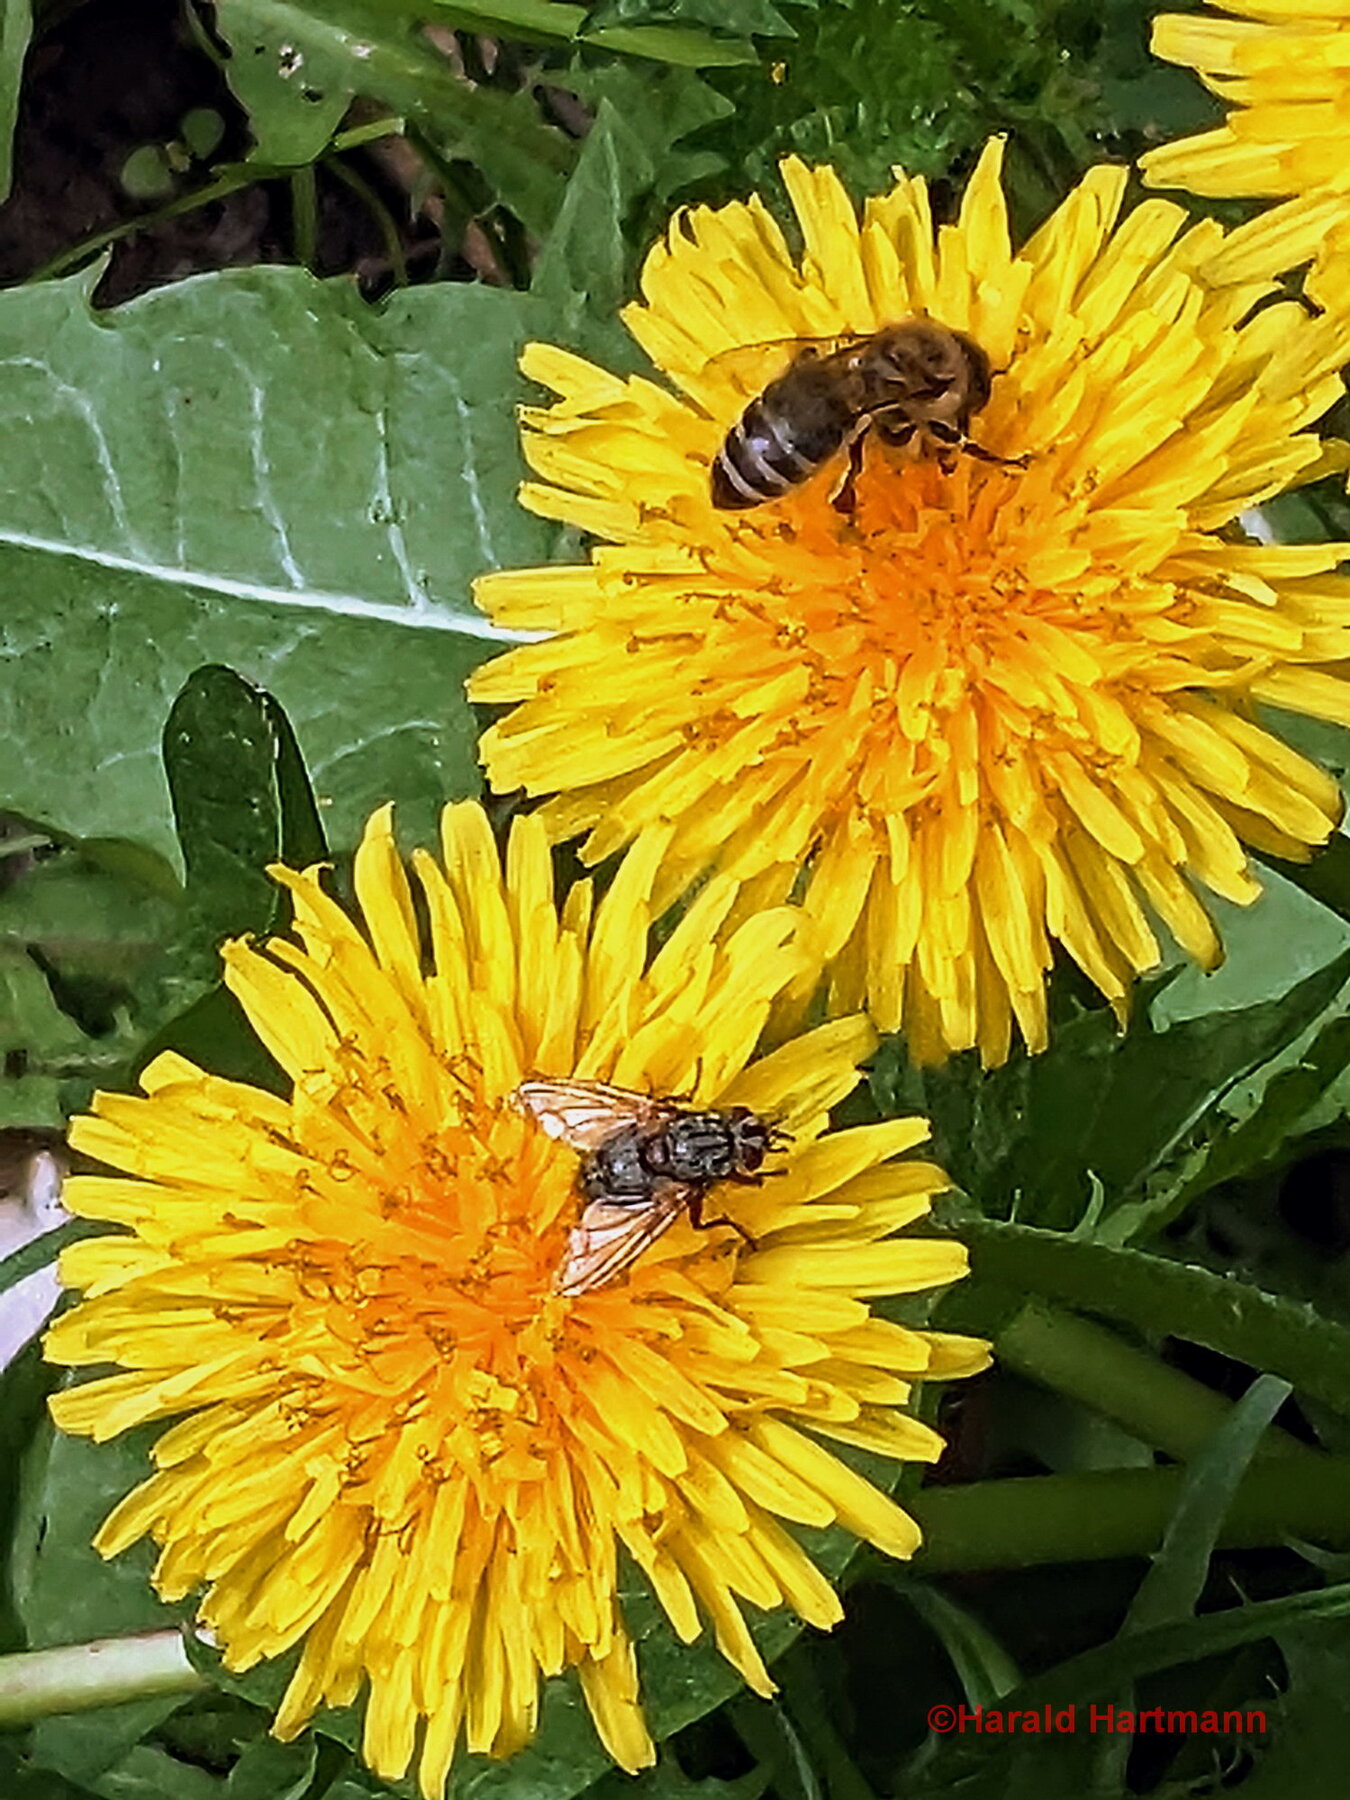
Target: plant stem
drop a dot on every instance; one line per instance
(1121, 1512)
(1157, 1295)
(235, 177)
(365, 193)
(1154, 1402)
(987, 1525)
(36, 1683)
(305, 217)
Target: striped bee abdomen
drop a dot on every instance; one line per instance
(916, 382)
(781, 439)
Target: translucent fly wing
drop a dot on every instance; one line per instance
(584, 1114)
(612, 1234)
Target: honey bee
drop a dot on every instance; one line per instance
(645, 1162)
(917, 383)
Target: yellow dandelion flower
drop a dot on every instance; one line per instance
(396, 1443)
(1284, 67)
(996, 705)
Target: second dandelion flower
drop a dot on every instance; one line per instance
(997, 702)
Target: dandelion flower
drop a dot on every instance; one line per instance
(395, 1443)
(995, 707)
(1284, 66)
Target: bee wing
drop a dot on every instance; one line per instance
(752, 366)
(614, 1233)
(584, 1114)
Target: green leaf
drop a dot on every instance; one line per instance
(547, 20)
(775, 1743)
(1307, 1093)
(271, 1771)
(671, 44)
(1172, 1588)
(808, 1703)
(1326, 876)
(20, 1780)
(1137, 1114)
(79, 929)
(733, 18)
(376, 48)
(241, 800)
(1134, 1654)
(146, 174)
(295, 97)
(1080, 1680)
(145, 1772)
(39, 1251)
(1307, 1751)
(632, 162)
(668, 1781)
(34, 1028)
(84, 915)
(65, 1591)
(24, 1387)
(254, 469)
(16, 25)
(585, 263)
(48, 1060)
(1269, 948)
(662, 108)
(986, 1671)
(213, 1031)
(1159, 1296)
(202, 129)
(67, 1594)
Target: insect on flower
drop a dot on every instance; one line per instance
(917, 382)
(646, 1160)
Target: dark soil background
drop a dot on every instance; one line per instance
(112, 80)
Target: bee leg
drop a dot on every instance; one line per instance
(946, 440)
(980, 454)
(697, 1220)
(844, 497)
(897, 437)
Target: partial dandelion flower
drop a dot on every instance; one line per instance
(396, 1445)
(1284, 68)
(994, 708)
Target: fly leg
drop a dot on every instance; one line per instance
(697, 1219)
(684, 1099)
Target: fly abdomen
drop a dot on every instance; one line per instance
(771, 449)
(619, 1168)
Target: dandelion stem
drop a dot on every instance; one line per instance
(1121, 1512)
(1159, 1405)
(76, 1677)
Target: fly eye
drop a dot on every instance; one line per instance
(754, 1144)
